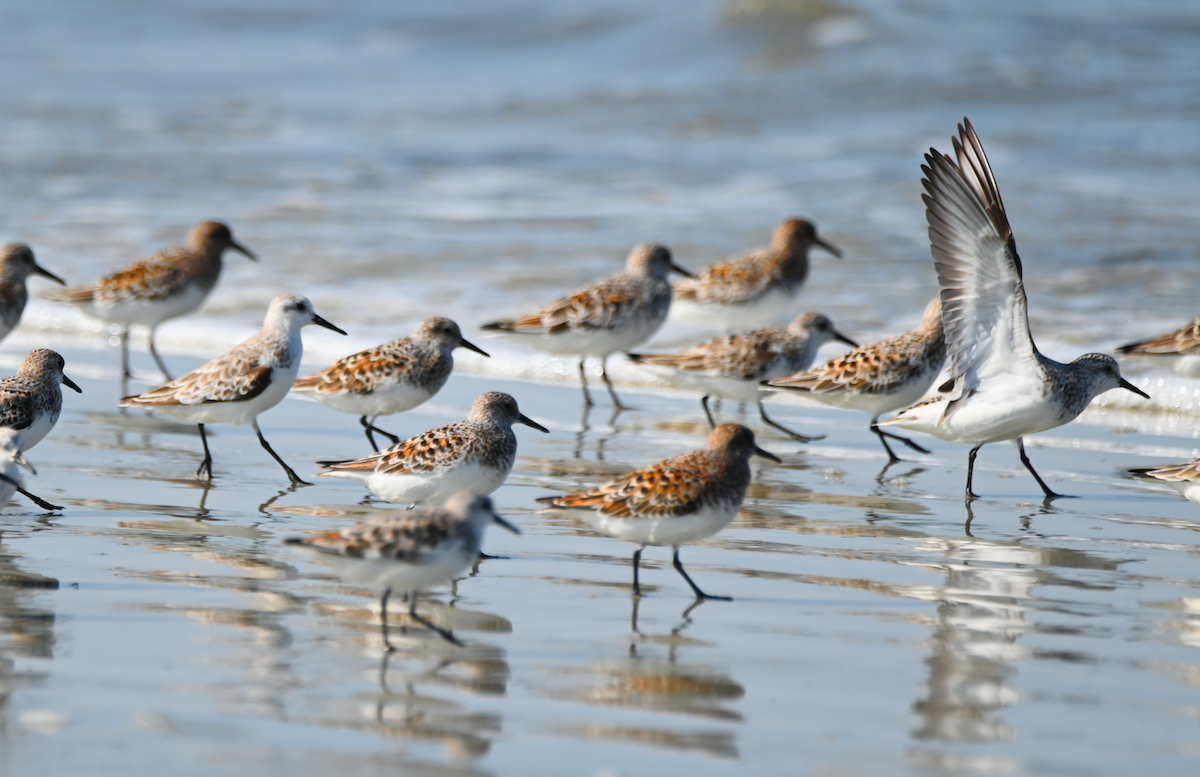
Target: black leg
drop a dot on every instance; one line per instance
(1025, 460)
(366, 425)
(707, 412)
(762, 411)
(383, 615)
(393, 439)
(292, 476)
(882, 434)
(892, 457)
(611, 391)
(587, 397)
(37, 500)
(637, 560)
(204, 471)
(158, 359)
(699, 594)
(971, 471)
(412, 613)
(125, 352)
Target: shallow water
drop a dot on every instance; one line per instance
(395, 161)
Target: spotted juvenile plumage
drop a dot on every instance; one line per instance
(757, 289)
(614, 314)
(676, 501)
(170, 284)
(17, 263)
(240, 384)
(408, 551)
(733, 366)
(880, 377)
(473, 455)
(390, 378)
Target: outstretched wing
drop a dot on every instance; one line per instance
(669, 488)
(983, 296)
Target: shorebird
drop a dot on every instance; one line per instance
(1001, 387)
(10, 459)
(408, 551)
(755, 290)
(472, 456)
(1184, 478)
(1179, 350)
(611, 315)
(170, 284)
(31, 402)
(881, 377)
(733, 367)
(390, 378)
(16, 264)
(676, 501)
(237, 386)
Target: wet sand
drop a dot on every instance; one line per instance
(871, 631)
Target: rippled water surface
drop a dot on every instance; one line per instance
(400, 160)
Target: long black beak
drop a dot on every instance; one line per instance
(42, 271)
(830, 247)
(531, 423)
(681, 271)
(505, 524)
(322, 322)
(71, 384)
(767, 455)
(841, 338)
(241, 249)
(475, 348)
(1130, 387)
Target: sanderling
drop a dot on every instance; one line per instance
(1001, 387)
(408, 551)
(1184, 478)
(31, 401)
(473, 456)
(881, 377)
(611, 315)
(170, 284)
(732, 367)
(10, 459)
(391, 378)
(676, 501)
(17, 264)
(755, 290)
(238, 385)
(1179, 350)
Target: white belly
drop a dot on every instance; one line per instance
(40, 427)
(667, 530)
(587, 342)
(146, 312)
(774, 308)
(390, 397)
(429, 488)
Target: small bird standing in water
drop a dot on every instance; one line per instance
(1001, 386)
(170, 284)
(611, 315)
(237, 386)
(755, 290)
(390, 378)
(408, 551)
(676, 501)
